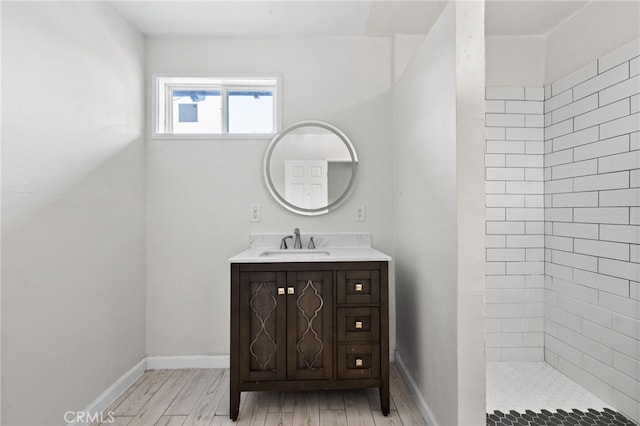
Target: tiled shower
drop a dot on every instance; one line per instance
(515, 223)
(562, 235)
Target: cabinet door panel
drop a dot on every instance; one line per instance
(310, 325)
(262, 326)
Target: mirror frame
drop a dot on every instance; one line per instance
(280, 199)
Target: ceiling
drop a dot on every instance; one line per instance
(241, 18)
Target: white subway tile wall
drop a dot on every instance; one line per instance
(592, 228)
(515, 223)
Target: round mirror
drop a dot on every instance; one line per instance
(310, 167)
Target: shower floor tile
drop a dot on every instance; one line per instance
(591, 417)
(535, 386)
(536, 394)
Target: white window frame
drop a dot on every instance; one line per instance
(163, 86)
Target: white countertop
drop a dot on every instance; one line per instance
(343, 247)
(325, 254)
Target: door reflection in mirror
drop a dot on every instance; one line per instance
(310, 167)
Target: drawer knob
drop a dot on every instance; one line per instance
(358, 325)
(358, 287)
(358, 362)
(291, 290)
(280, 290)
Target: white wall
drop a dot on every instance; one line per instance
(425, 220)
(470, 87)
(434, 216)
(404, 47)
(199, 191)
(533, 61)
(515, 61)
(593, 31)
(592, 209)
(73, 236)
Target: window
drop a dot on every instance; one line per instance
(216, 107)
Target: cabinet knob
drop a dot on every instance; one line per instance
(358, 325)
(280, 290)
(358, 287)
(291, 290)
(358, 362)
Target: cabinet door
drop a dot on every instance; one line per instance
(310, 325)
(263, 326)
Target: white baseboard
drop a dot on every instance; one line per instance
(110, 394)
(97, 407)
(187, 361)
(413, 387)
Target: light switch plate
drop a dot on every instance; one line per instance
(255, 213)
(360, 214)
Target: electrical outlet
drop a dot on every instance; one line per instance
(360, 214)
(255, 213)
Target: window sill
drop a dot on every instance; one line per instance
(212, 136)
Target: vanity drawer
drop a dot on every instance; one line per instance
(358, 287)
(358, 361)
(358, 324)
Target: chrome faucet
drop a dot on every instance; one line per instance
(297, 243)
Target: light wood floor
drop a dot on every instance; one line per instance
(200, 397)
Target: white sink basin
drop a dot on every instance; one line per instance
(295, 254)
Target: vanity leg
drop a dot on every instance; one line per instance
(234, 390)
(384, 397)
(234, 405)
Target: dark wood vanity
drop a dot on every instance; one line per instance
(309, 326)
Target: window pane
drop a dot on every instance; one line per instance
(197, 111)
(250, 111)
(188, 113)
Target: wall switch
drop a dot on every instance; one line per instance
(255, 213)
(360, 214)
